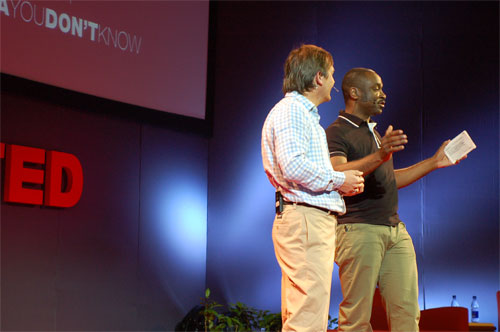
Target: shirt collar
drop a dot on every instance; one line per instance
(355, 121)
(309, 105)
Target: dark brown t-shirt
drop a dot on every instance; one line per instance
(351, 137)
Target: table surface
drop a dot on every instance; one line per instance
(481, 327)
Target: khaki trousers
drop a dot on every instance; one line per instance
(304, 243)
(370, 254)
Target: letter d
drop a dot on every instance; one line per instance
(56, 163)
(50, 18)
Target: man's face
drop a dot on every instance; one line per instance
(328, 83)
(372, 99)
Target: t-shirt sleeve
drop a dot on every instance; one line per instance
(337, 144)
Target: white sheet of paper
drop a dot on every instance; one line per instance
(461, 145)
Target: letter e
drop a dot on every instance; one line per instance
(16, 174)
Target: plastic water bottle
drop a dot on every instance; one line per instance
(454, 302)
(474, 310)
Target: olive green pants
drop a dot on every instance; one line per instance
(368, 255)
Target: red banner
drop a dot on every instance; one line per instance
(147, 53)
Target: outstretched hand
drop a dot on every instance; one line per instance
(441, 159)
(353, 184)
(392, 141)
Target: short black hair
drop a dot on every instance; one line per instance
(352, 78)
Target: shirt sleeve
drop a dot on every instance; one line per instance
(337, 145)
(293, 134)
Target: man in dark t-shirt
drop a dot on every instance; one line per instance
(373, 246)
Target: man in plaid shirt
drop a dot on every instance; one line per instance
(297, 162)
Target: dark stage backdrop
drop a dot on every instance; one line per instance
(167, 210)
(131, 254)
(439, 64)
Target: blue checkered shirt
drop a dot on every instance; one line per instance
(295, 154)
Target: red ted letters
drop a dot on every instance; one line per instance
(28, 182)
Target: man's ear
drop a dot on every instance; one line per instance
(354, 93)
(318, 79)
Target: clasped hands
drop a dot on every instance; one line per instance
(354, 183)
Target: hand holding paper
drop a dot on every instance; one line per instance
(459, 147)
